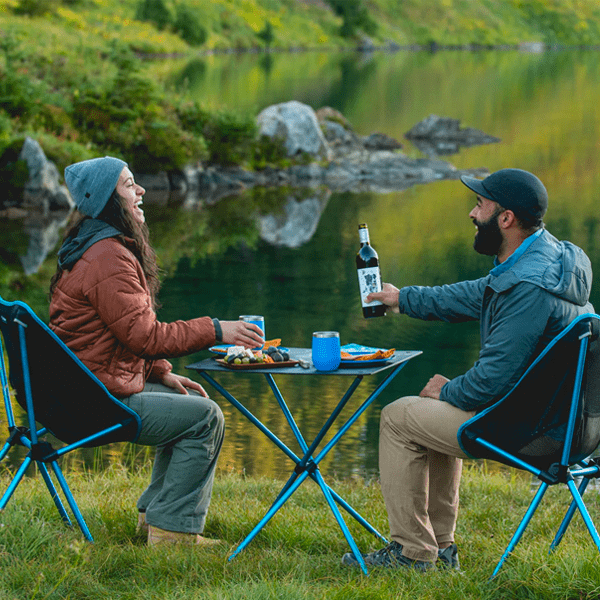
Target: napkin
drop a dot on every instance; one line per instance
(377, 355)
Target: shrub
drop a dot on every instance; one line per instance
(188, 27)
(266, 34)
(34, 8)
(19, 92)
(154, 11)
(230, 138)
(13, 173)
(355, 17)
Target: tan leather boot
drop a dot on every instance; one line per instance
(158, 536)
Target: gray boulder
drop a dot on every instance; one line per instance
(42, 190)
(297, 126)
(436, 135)
(381, 141)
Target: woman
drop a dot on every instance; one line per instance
(103, 302)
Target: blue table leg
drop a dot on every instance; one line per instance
(341, 522)
(276, 506)
(302, 470)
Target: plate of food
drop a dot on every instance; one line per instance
(238, 357)
(257, 365)
(357, 356)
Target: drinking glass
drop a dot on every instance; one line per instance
(257, 320)
(326, 353)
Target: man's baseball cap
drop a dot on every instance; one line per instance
(513, 189)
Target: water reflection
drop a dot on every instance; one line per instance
(298, 222)
(220, 261)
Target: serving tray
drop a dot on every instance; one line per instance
(257, 365)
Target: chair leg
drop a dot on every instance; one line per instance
(52, 489)
(15, 482)
(584, 513)
(5, 450)
(568, 516)
(71, 500)
(522, 526)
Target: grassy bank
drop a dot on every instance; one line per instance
(297, 556)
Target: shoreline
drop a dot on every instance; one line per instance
(392, 47)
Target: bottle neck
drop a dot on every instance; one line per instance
(363, 236)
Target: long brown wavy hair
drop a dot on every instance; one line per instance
(115, 213)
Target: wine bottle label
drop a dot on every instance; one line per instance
(369, 280)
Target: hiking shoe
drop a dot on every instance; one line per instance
(391, 557)
(448, 557)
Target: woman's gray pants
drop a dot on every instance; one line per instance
(188, 433)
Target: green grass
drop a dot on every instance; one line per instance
(296, 556)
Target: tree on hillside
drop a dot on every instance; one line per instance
(355, 17)
(266, 34)
(154, 11)
(33, 8)
(188, 27)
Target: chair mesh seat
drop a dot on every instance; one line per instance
(61, 396)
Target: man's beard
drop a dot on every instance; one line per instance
(489, 237)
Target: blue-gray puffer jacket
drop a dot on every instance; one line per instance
(520, 311)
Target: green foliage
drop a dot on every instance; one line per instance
(13, 173)
(557, 23)
(355, 17)
(229, 137)
(129, 118)
(154, 11)
(19, 93)
(188, 26)
(269, 152)
(266, 34)
(34, 8)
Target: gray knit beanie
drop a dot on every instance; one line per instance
(91, 182)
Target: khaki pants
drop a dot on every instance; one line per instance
(420, 464)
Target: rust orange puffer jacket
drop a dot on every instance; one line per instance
(102, 310)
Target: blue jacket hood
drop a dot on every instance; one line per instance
(560, 268)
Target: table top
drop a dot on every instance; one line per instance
(399, 356)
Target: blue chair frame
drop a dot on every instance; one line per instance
(563, 387)
(61, 394)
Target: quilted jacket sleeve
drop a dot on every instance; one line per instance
(117, 290)
(452, 303)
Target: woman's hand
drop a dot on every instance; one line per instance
(240, 333)
(182, 384)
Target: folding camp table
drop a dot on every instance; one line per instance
(308, 464)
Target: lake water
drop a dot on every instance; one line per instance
(543, 107)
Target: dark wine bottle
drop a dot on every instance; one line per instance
(369, 275)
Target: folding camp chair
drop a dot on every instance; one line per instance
(59, 392)
(548, 424)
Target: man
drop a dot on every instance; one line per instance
(537, 286)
